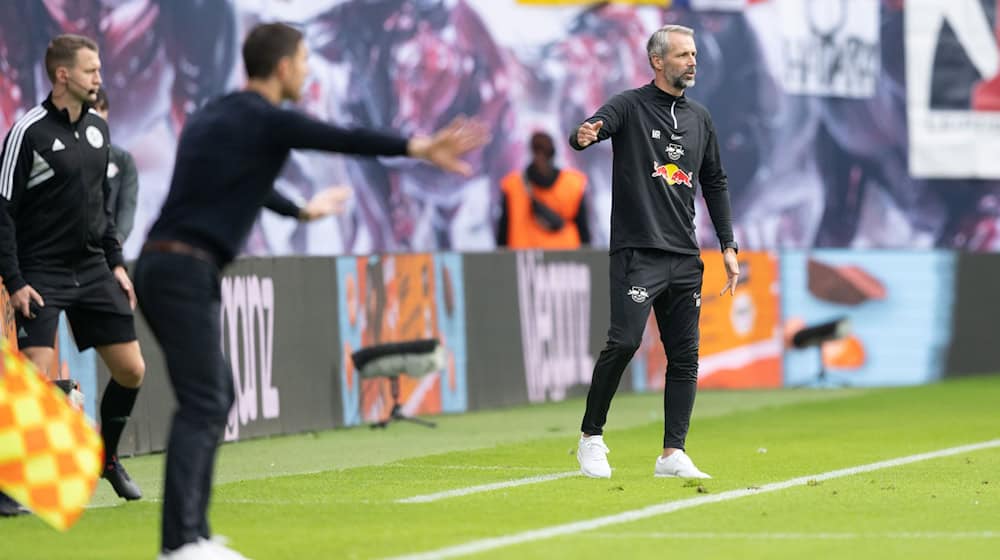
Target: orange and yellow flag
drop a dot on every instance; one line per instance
(50, 454)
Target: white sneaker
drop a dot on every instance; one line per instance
(190, 551)
(678, 465)
(593, 457)
(204, 549)
(217, 545)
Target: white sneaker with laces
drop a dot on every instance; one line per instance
(593, 457)
(677, 465)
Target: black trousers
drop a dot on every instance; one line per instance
(670, 283)
(179, 296)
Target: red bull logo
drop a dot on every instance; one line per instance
(672, 174)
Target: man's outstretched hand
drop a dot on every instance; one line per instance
(587, 133)
(445, 147)
(332, 200)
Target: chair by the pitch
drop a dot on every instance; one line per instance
(415, 358)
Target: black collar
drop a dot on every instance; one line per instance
(664, 97)
(63, 114)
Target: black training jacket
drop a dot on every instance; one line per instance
(53, 189)
(664, 148)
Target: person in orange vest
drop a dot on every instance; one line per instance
(543, 205)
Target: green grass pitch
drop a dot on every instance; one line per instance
(336, 494)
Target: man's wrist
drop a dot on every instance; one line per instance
(14, 283)
(417, 147)
(730, 245)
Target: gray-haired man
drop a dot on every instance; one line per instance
(665, 145)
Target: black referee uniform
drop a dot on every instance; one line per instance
(229, 155)
(665, 148)
(57, 234)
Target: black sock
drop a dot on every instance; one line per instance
(116, 406)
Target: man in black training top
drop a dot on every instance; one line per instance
(229, 155)
(59, 249)
(665, 146)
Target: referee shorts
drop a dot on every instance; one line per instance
(94, 302)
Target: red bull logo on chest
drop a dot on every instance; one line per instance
(672, 174)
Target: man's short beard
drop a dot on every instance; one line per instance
(681, 83)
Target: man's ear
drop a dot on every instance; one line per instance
(62, 74)
(281, 70)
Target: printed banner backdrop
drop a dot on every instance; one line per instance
(741, 343)
(953, 77)
(830, 47)
(899, 305)
(395, 298)
(812, 120)
(563, 311)
(279, 334)
(450, 290)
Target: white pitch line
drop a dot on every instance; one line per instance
(425, 498)
(801, 536)
(466, 467)
(118, 504)
(483, 545)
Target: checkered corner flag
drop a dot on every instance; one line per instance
(50, 454)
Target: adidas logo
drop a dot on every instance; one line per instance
(21, 333)
(41, 171)
(58, 146)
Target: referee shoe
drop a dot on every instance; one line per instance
(116, 474)
(9, 507)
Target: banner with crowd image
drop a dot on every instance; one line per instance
(953, 77)
(809, 98)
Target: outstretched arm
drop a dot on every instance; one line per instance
(444, 148)
(332, 200)
(603, 125)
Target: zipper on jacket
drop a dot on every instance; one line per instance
(672, 115)
(86, 198)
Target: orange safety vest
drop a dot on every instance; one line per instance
(564, 196)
